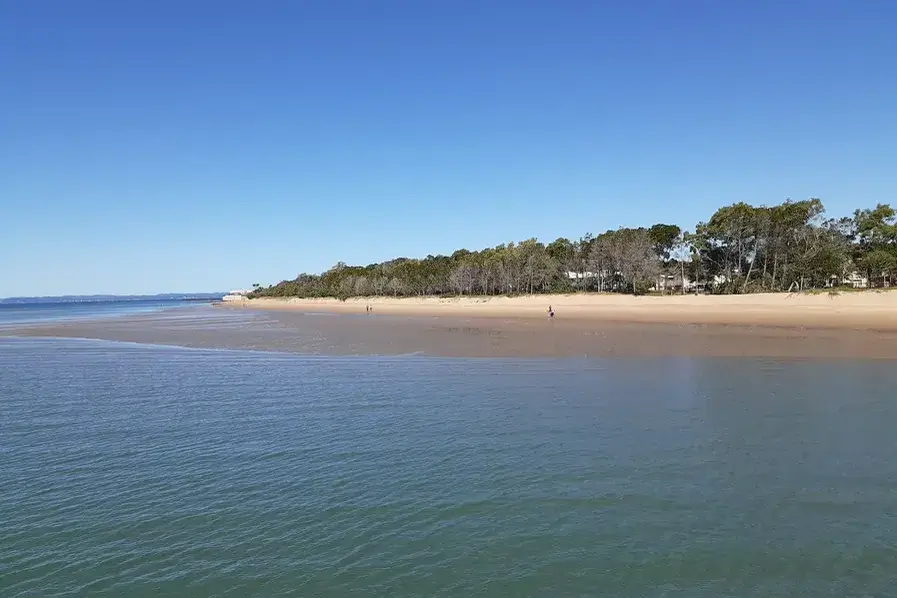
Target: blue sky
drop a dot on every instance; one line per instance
(165, 146)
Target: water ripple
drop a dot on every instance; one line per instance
(133, 470)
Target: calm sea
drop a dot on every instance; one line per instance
(27, 312)
(130, 470)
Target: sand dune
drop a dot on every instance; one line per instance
(856, 310)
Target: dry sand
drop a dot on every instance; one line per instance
(870, 310)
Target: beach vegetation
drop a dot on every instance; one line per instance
(741, 248)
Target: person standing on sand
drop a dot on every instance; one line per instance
(550, 312)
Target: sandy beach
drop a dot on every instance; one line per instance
(466, 330)
(869, 310)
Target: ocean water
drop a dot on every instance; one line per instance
(134, 470)
(27, 312)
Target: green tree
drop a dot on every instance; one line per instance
(740, 248)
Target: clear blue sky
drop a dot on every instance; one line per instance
(162, 145)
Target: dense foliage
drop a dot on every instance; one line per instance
(741, 248)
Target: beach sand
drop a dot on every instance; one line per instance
(456, 336)
(622, 327)
(870, 310)
(848, 326)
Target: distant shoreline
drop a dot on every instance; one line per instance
(866, 310)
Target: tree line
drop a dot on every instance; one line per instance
(740, 249)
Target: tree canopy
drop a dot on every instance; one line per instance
(741, 248)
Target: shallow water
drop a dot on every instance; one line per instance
(43, 311)
(148, 471)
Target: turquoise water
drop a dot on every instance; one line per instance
(130, 470)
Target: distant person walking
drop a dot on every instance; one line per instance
(550, 312)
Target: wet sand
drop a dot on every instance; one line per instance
(453, 336)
